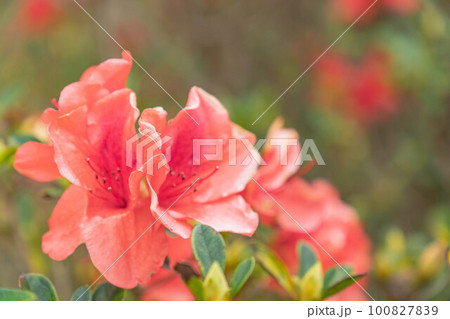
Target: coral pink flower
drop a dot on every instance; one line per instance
(39, 15)
(103, 208)
(205, 191)
(342, 236)
(365, 92)
(349, 10)
(35, 160)
(275, 182)
(167, 284)
(315, 208)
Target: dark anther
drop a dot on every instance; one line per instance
(109, 189)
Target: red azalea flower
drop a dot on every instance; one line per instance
(36, 160)
(210, 189)
(315, 208)
(301, 199)
(39, 15)
(342, 236)
(103, 208)
(349, 10)
(365, 92)
(167, 284)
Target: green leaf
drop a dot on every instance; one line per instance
(40, 285)
(341, 285)
(16, 295)
(82, 294)
(307, 258)
(195, 285)
(334, 275)
(108, 292)
(241, 275)
(275, 267)
(215, 285)
(208, 247)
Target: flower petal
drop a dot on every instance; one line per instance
(153, 119)
(98, 134)
(205, 120)
(65, 224)
(231, 214)
(280, 155)
(36, 161)
(126, 246)
(167, 286)
(111, 74)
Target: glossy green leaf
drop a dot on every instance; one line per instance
(108, 292)
(16, 295)
(341, 285)
(82, 294)
(241, 275)
(215, 284)
(275, 267)
(334, 275)
(307, 258)
(40, 285)
(195, 285)
(208, 247)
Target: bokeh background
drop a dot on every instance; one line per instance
(376, 105)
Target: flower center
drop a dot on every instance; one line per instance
(178, 183)
(109, 184)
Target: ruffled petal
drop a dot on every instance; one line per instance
(126, 246)
(36, 161)
(236, 170)
(153, 120)
(93, 141)
(65, 224)
(281, 153)
(202, 151)
(231, 214)
(78, 94)
(111, 74)
(307, 204)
